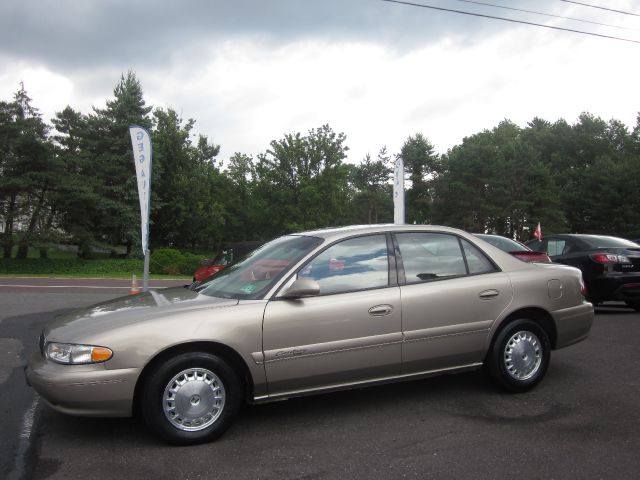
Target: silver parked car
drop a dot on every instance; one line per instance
(312, 312)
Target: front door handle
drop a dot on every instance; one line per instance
(381, 310)
(489, 294)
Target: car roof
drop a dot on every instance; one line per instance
(593, 241)
(502, 258)
(580, 235)
(339, 232)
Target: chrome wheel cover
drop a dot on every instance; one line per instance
(193, 399)
(523, 355)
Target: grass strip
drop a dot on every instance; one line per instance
(58, 267)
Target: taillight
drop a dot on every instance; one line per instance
(606, 258)
(583, 288)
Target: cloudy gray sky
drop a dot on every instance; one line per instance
(249, 71)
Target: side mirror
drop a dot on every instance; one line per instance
(302, 287)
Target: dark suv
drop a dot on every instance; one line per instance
(610, 265)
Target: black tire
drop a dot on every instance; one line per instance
(529, 341)
(205, 398)
(634, 305)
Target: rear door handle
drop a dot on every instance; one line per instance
(381, 310)
(489, 294)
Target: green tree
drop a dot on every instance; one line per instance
(28, 170)
(10, 182)
(371, 178)
(243, 207)
(611, 206)
(634, 145)
(76, 201)
(304, 182)
(172, 163)
(421, 163)
(600, 195)
(495, 182)
(187, 187)
(108, 145)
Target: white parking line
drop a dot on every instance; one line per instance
(24, 441)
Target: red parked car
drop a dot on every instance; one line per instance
(229, 254)
(515, 248)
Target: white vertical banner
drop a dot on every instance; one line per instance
(142, 154)
(398, 192)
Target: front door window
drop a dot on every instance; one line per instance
(356, 264)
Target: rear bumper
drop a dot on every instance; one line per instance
(83, 390)
(623, 287)
(573, 324)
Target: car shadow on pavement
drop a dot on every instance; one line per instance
(617, 308)
(308, 436)
(329, 408)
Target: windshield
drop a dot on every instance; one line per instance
(503, 243)
(256, 273)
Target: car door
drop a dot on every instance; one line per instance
(350, 332)
(452, 293)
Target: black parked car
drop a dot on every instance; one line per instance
(610, 265)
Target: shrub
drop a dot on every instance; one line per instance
(61, 266)
(173, 262)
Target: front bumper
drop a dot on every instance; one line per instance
(573, 324)
(84, 390)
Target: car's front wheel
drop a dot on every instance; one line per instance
(191, 398)
(519, 356)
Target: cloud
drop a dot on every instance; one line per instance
(250, 71)
(80, 34)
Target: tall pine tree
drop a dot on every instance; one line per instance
(28, 170)
(107, 146)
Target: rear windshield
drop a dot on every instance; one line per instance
(598, 241)
(503, 243)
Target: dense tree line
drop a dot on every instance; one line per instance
(73, 180)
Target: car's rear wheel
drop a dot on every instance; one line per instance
(519, 356)
(191, 398)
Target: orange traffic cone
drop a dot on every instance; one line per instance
(134, 285)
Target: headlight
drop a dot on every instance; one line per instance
(71, 354)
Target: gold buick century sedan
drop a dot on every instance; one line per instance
(309, 313)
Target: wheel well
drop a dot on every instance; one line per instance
(538, 315)
(226, 353)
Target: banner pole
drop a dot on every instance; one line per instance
(398, 192)
(145, 278)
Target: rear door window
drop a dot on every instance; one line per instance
(555, 247)
(477, 262)
(430, 256)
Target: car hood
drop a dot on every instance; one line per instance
(123, 311)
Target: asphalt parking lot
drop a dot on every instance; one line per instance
(581, 422)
